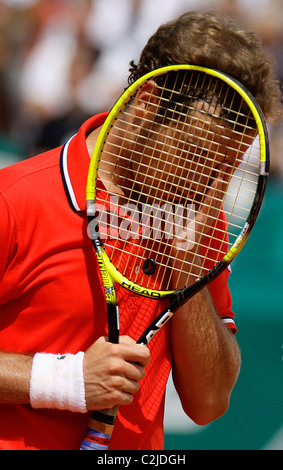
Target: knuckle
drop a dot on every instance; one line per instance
(136, 388)
(112, 399)
(118, 382)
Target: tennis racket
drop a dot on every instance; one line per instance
(175, 185)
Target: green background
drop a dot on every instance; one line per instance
(254, 420)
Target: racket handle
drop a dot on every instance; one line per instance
(99, 430)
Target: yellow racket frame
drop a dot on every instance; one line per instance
(113, 273)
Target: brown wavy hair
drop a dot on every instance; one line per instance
(212, 40)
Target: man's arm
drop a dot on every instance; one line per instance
(206, 359)
(15, 371)
(206, 356)
(111, 374)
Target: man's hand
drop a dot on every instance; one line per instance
(112, 372)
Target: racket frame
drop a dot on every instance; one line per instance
(235, 248)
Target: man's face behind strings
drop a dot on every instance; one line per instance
(175, 160)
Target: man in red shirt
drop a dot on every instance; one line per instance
(55, 361)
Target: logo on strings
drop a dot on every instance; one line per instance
(164, 223)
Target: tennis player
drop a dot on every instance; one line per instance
(55, 362)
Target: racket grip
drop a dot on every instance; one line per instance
(99, 430)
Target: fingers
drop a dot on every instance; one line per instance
(135, 353)
(132, 352)
(112, 372)
(213, 201)
(206, 214)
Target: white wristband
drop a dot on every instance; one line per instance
(58, 382)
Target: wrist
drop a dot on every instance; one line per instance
(57, 381)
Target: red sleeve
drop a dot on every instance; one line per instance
(222, 298)
(8, 248)
(214, 251)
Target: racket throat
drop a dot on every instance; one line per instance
(113, 322)
(153, 329)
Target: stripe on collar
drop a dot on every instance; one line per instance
(66, 177)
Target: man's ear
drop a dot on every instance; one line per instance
(146, 101)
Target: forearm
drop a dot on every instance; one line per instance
(206, 359)
(103, 376)
(43, 380)
(15, 371)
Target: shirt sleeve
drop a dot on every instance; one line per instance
(8, 247)
(219, 287)
(222, 298)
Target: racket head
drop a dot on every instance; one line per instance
(160, 151)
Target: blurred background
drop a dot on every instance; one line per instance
(62, 61)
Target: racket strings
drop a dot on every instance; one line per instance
(125, 253)
(147, 189)
(172, 167)
(167, 233)
(202, 154)
(161, 280)
(194, 153)
(210, 133)
(168, 182)
(236, 183)
(250, 171)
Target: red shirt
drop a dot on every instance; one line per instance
(51, 299)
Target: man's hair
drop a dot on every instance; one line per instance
(212, 40)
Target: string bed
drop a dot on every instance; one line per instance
(157, 174)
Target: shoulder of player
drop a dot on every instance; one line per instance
(23, 171)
